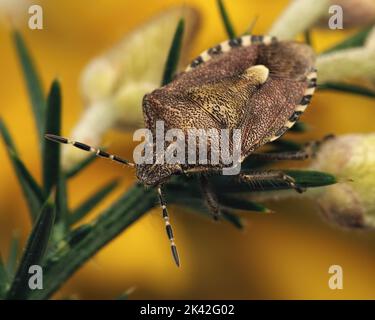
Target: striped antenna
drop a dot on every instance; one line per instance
(88, 148)
(168, 227)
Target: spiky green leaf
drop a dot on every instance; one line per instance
(62, 209)
(304, 178)
(34, 251)
(4, 279)
(308, 38)
(13, 254)
(31, 190)
(61, 263)
(226, 21)
(7, 138)
(80, 166)
(299, 127)
(232, 218)
(286, 145)
(92, 202)
(174, 53)
(33, 84)
(241, 204)
(51, 150)
(356, 40)
(347, 88)
(197, 205)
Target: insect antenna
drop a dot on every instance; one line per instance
(85, 147)
(168, 227)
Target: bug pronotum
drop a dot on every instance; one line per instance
(253, 83)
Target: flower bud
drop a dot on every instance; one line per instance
(351, 202)
(298, 17)
(347, 64)
(113, 84)
(356, 12)
(301, 15)
(13, 12)
(370, 40)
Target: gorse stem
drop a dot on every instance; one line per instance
(61, 249)
(75, 250)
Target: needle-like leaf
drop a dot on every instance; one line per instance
(279, 145)
(299, 127)
(197, 205)
(125, 295)
(311, 179)
(62, 262)
(356, 40)
(13, 254)
(286, 145)
(174, 53)
(80, 166)
(8, 141)
(92, 202)
(241, 204)
(347, 88)
(77, 235)
(32, 192)
(304, 178)
(226, 21)
(33, 83)
(62, 208)
(51, 150)
(232, 218)
(34, 251)
(4, 279)
(307, 36)
(250, 28)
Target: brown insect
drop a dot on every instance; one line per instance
(253, 83)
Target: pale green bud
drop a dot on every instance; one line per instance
(351, 202)
(348, 64)
(114, 84)
(301, 15)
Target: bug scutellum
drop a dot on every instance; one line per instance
(253, 83)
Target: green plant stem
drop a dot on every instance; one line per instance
(226, 21)
(62, 262)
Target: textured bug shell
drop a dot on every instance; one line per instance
(213, 93)
(217, 90)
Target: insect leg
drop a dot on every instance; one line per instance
(312, 146)
(168, 227)
(202, 169)
(270, 175)
(209, 197)
(308, 151)
(288, 155)
(88, 148)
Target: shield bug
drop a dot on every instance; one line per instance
(253, 83)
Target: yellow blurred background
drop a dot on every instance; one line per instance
(278, 256)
